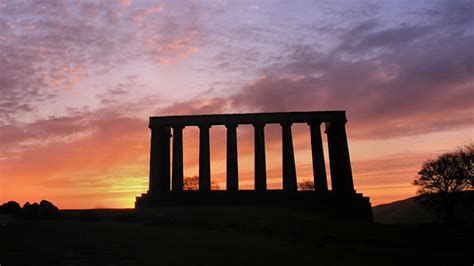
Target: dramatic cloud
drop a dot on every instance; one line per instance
(392, 80)
(50, 46)
(78, 80)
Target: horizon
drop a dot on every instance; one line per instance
(79, 81)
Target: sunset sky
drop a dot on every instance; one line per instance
(79, 79)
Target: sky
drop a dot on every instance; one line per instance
(79, 80)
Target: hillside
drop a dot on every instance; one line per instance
(218, 235)
(404, 211)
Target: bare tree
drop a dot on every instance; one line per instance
(441, 181)
(466, 157)
(450, 172)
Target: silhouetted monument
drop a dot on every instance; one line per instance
(342, 196)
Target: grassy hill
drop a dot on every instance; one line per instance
(408, 211)
(411, 211)
(225, 235)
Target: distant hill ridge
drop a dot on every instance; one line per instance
(404, 211)
(410, 210)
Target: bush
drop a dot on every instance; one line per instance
(11, 207)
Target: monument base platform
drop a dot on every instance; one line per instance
(341, 206)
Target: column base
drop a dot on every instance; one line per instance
(340, 206)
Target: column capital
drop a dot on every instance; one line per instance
(177, 127)
(166, 131)
(204, 126)
(314, 123)
(336, 122)
(259, 124)
(231, 125)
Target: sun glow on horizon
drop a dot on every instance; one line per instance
(79, 80)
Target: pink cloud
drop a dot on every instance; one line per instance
(126, 3)
(140, 15)
(394, 80)
(60, 47)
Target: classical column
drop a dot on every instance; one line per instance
(177, 177)
(260, 172)
(152, 184)
(160, 160)
(319, 168)
(232, 164)
(289, 169)
(339, 161)
(204, 159)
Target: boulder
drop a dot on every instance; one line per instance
(26, 206)
(30, 210)
(47, 209)
(11, 207)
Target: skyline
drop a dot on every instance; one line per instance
(79, 80)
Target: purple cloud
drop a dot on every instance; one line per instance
(50, 46)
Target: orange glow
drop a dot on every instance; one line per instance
(110, 167)
(78, 81)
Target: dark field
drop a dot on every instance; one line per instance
(226, 236)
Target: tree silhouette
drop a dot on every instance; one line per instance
(450, 172)
(442, 180)
(192, 183)
(306, 185)
(466, 165)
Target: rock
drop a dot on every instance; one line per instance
(47, 209)
(35, 209)
(26, 206)
(30, 210)
(11, 207)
